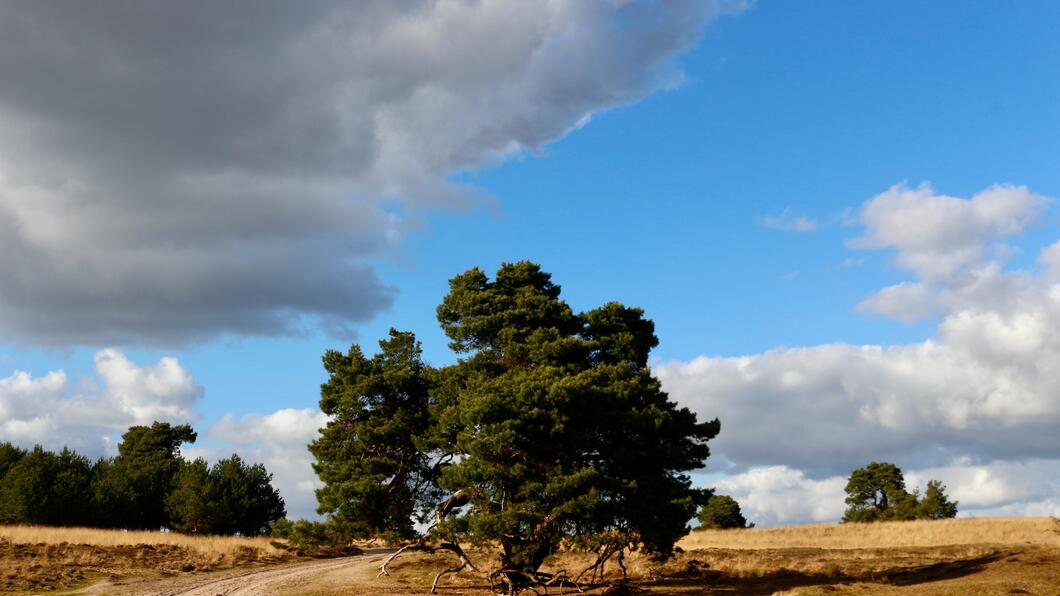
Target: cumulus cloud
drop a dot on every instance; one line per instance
(279, 441)
(779, 495)
(776, 495)
(49, 411)
(999, 485)
(936, 236)
(981, 391)
(170, 172)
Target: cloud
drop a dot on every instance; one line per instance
(906, 301)
(936, 236)
(46, 410)
(279, 441)
(981, 391)
(789, 222)
(169, 173)
(777, 495)
(944, 241)
(1001, 485)
(52, 411)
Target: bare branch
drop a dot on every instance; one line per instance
(456, 501)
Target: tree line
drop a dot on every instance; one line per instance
(147, 486)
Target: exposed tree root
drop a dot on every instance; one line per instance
(603, 554)
(519, 579)
(452, 547)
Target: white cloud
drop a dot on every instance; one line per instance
(279, 441)
(937, 236)
(159, 191)
(51, 411)
(997, 485)
(777, 495)
(47, 410)
(983, 389)
(906, 301)
(1050, 257)
(786, 220)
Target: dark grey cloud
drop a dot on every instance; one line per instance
(174, 171)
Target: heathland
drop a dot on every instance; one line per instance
(964, 556)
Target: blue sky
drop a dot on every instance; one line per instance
(663, 199)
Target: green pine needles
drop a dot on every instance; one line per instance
(549, 432)
(877, 493)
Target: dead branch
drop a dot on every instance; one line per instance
(603, 555)
(434, 584)
(456, 501)
(429, 549)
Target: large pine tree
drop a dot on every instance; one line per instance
(550, 429)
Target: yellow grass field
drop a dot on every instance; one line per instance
(935, 558)
(942, 558)
(37, 558)
(211, 546)
(998, 530)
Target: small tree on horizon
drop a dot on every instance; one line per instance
(935, 504)
(722, 512)
(877, 492)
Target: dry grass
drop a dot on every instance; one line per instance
(907, 534)
(210, 546)
(941, 558)
(967, 556)
(48, 558)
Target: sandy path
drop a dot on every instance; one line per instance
(247, 582)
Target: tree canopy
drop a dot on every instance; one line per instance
(877, 492)
(722, 512)
(135, 484)
(147, 486)
(376, 474)
(232, 497)
(548, 431)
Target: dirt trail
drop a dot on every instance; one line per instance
(246, 582)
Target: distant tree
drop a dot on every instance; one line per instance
(9, 456)
(935, 504)
(248, 502)
(877, 492)
(194, 506)
(107, 495)
(307, 535)
(131, 490)
(872, 491)
(70, 502)
(148, 485)
(376, 477)
(26, 488)
(47, 489)
(229, 498)
(722, 512)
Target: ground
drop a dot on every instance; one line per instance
(995, 556)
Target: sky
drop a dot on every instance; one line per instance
(841, 217)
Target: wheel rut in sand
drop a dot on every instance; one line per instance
(247, 582)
